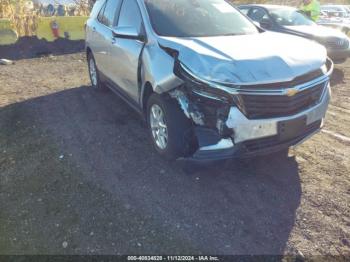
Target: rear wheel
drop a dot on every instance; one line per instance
(169, 128)
(94, 74)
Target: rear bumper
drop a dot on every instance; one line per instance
(260, 137)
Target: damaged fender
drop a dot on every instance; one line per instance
(187, 107)
(158, 69)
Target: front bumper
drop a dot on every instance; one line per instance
(262, 136)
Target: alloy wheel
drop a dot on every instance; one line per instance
(158, 126)
(93, 72)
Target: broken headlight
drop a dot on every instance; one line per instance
(212, 103)
(204, 90)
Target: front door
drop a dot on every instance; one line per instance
(125, 53)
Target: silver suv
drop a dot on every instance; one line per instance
(209, 82)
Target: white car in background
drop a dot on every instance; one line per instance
(335, 16)
(342, 10)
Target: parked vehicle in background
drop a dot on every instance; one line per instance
(338, 10)
(335, 23)
(337, 17)
(289, 20)
(330, 15)
(192, 69)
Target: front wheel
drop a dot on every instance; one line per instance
(169, 128)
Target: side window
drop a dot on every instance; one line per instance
(130, 15)
(244, 10)
(109, 10)
(258, 14)
(100, 17)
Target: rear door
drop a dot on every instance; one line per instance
(95, 37)
(103, 36)
(125, 53)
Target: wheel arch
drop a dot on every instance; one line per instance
(146, 93)
(88, 51)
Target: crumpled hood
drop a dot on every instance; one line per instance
(248, 59)
(318, 31)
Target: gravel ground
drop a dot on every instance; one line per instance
(79, 176)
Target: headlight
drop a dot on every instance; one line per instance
(210, 93)
(202, 89)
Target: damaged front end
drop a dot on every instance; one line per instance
(242, 121)
(208, 109)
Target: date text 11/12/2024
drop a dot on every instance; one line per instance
(173, 258)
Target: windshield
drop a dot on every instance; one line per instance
(290, 17)
(195, 18)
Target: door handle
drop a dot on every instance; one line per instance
(94, 29)
(114, 40)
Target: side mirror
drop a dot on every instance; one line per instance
(127, 32)
(266, 24)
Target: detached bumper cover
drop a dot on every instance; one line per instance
(262, 136)
(242, 150)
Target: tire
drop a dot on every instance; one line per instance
(178, 128)
(96, 82)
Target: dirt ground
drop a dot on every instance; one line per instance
(79, 176)
(31, 47)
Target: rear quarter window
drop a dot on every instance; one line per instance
(97, 8)
(108, 12)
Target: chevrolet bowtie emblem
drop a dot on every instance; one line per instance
(292, 92)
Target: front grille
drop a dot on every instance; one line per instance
(270, 106)
(263, 143)
(337, 43)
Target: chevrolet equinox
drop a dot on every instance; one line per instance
(209, 82)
